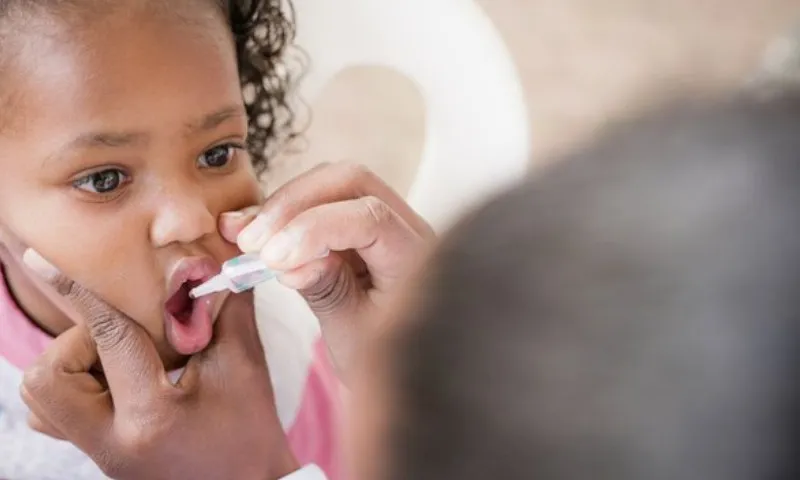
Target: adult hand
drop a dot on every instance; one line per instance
(341, 237)
(218, 422)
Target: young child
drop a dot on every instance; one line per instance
(124, 134)
(630, 314)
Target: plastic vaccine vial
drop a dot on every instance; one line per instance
(238, 274)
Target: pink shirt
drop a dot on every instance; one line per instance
(314, 436)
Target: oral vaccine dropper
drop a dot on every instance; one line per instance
(238, 274)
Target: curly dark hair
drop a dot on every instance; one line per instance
(263, 31)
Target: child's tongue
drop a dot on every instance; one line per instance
(188, 322)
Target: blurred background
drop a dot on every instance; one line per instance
(582, 63)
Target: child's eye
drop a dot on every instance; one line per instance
(218, 157)
(102, 182)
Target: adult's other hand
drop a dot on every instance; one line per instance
(217, 422)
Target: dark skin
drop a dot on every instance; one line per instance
(132, 421)
(141, 426)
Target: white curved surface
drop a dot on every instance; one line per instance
(477, 136)
(476, 129)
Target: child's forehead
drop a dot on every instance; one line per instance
(26, 25)
(122, 46)
(75, 11)
(129, 72)
(72, 18)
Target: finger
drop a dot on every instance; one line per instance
(235, 349)
(331, 287)
(311, 277)
(129, 358)
(382, 239)
(232, 223)
(335, 293)
(44, 427)
(321, 185)
(62, 393)
(236, 329)
(73, 352)
(308, 276)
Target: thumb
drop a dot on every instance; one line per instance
(128, 356)
(231, 224)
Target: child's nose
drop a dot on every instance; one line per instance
(183, 218)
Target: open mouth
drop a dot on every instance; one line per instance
(188, 322)
(181, 305)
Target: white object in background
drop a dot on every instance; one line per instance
(477, 132)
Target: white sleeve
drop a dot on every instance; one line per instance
(310, 472)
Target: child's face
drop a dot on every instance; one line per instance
(119, 153)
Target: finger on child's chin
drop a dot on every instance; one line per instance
(114, 335)
(231, 224)
(236, 343)
(237, 324)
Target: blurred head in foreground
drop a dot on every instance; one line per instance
(631, 313)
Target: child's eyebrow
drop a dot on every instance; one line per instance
(107, 139)
(213, 120)
(90, 140)
(101, 139)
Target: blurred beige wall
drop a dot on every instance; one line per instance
(582, 62)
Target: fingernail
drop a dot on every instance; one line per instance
(241, 214)
(233, 215)
(38, 264)
(280, 246)
(255, 235)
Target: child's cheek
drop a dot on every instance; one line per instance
(58, 301)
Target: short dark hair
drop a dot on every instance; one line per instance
(631, 313)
